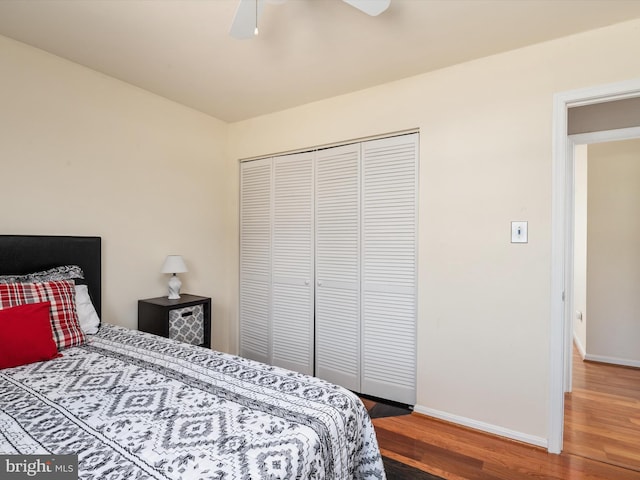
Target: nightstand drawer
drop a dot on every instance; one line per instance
(187, 324)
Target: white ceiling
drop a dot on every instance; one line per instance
(307, 50)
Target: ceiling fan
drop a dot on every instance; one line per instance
(245, 22)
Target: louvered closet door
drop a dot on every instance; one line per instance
(338, 266)
(389, 267)
(292, 263)
(255, 259)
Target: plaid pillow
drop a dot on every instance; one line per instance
(62, 315)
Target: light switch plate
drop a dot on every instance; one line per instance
(519, 232)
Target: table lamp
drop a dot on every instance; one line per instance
(174, 264)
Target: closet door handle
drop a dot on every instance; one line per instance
(319, 283)
(306, 282)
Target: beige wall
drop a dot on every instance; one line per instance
(485, 148)
(613, 260)
(84, 154)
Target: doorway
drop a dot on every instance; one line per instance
(606, 248)
(561, 327)
(602, 408)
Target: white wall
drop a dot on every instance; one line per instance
(613, 260)
(84, 154)
(580, 249)
(485, 135)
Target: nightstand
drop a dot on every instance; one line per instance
(187, 319)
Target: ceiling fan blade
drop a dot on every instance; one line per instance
(245, 21)
(370, 7)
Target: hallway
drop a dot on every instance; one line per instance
(602, 414)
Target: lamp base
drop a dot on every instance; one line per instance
(174, 287)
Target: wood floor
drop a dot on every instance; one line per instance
(602, 413)
(456, 453)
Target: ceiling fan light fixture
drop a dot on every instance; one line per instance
(245, 21)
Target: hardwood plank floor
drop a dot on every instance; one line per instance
(458, 453)
(602, 413)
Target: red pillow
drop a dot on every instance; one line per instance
(25, 335)
(62, 314)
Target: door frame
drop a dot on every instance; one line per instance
(560, 332)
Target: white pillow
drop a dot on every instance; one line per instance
(89, 320)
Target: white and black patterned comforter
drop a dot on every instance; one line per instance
(133, 405)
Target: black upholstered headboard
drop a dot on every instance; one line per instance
(20, 254)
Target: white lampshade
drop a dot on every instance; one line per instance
(174, 264)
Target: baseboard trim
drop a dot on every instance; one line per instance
(613, 360)
(482, 426)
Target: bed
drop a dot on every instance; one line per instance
(133, 405)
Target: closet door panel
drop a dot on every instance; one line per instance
(338, 266)
(292, 263)
(389, 267)
(255, 259)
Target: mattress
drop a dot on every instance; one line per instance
(133, 405)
